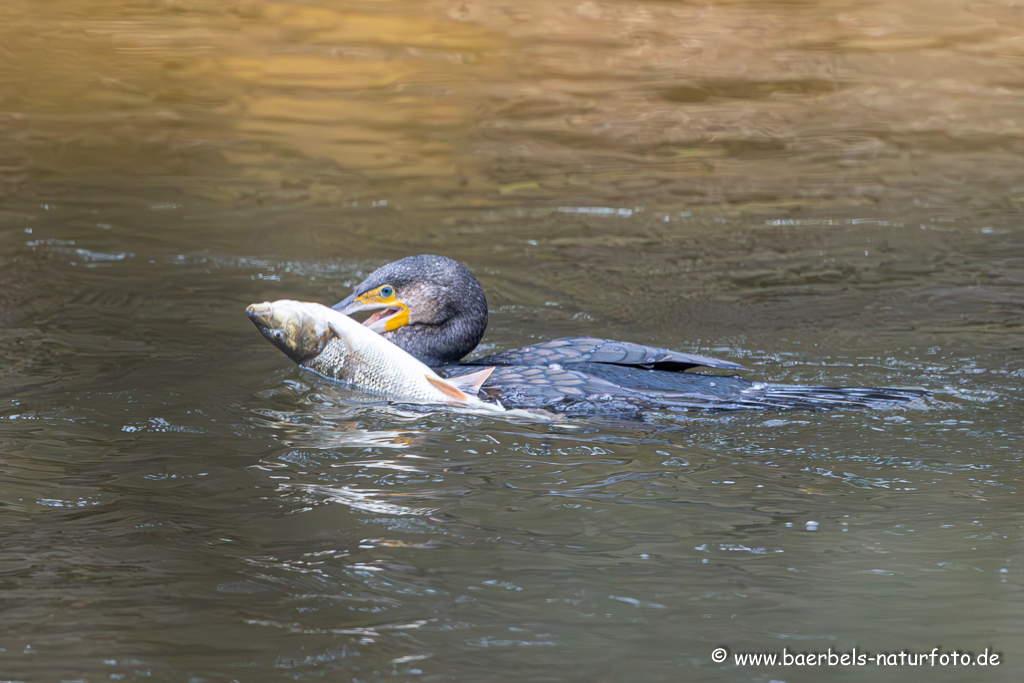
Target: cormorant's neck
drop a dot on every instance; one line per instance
(440, 344)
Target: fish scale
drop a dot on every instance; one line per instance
(330, 363)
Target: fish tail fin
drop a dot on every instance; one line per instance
(471, 383)
(461, 388)
(448, 389)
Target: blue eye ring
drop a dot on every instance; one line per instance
(387, 291)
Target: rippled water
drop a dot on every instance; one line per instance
(825, 192)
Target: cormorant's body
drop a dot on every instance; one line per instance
(435, 309)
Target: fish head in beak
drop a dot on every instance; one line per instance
(290, 327)
(390, 312)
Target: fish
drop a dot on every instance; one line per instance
(335, 346)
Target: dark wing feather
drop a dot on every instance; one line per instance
(594, 350)
(601, 388)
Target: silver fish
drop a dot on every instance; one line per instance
(335, 346)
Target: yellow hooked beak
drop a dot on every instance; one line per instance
(390, 312)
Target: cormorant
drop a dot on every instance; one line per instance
(434, 308)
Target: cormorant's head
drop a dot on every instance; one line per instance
(431, 306)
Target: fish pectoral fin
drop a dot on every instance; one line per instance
(471, 383)
(448, 389)
(342, 337)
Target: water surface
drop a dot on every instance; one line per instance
(827, 193)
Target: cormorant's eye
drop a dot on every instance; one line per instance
(387, 291)
(279, 335)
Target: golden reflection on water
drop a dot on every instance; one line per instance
(658, 105)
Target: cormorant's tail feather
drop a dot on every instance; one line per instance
(797, 397)
(773, 396)
(758, 396)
